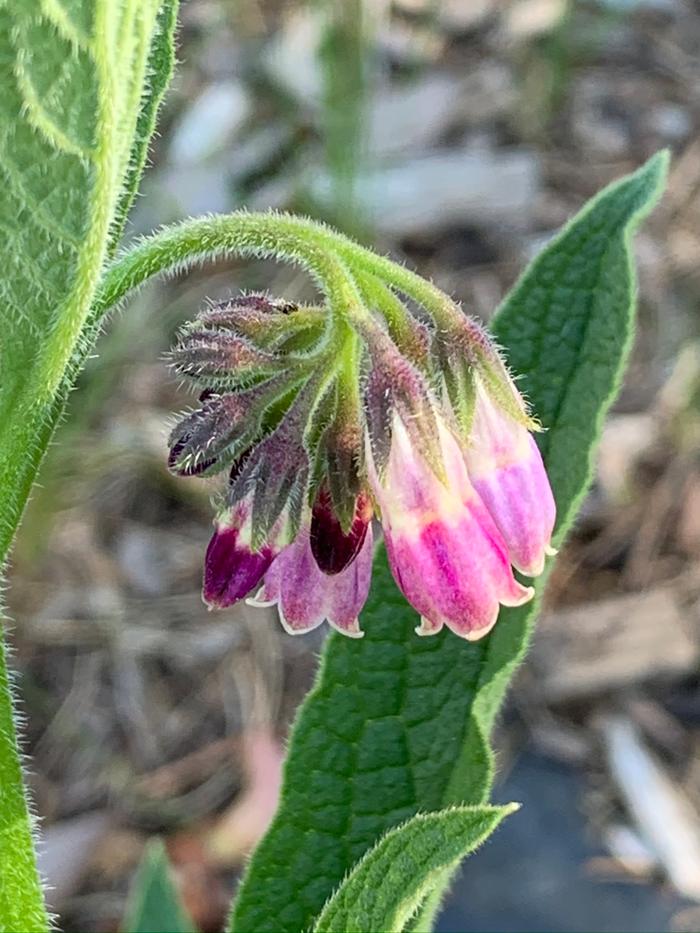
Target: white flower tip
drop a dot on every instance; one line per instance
(520, 596)
(551, 551)
(352, 630)
(258, 603)
(476, 633)
(427, 627)
(301, 629)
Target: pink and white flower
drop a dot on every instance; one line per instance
(305, 596)
(445, 551)
(505, 466)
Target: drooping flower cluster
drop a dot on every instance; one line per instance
(322, 428)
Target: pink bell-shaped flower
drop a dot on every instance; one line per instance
(506, 469)
(305, 595)
(445, 551)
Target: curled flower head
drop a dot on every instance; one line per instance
(323, 426)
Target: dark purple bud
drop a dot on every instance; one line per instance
(231, 568)
(191, 468)
(333, 548)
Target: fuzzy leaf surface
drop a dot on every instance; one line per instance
(390, 883)
(396, 724)
(73, 74)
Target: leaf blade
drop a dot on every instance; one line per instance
(388, 885)
(154, 903)
(161, 62)
(64, 127)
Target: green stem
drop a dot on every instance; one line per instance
(264, 236)
(406, 332)
(322, 251)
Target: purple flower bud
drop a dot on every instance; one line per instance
(243, 311)
(332, 547)
(305, 596)
(223, 427)
(232, 568)
(506, 467)
(208, 355)
(266, 322)
(191, 468)
(444, 549)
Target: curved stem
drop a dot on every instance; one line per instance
(321, 251)
(264, 236)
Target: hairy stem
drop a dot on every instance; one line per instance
(264, 236)
(317, 248)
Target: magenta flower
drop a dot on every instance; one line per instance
(506, 469)
(232, 567)
(445, 551)
(305, 595)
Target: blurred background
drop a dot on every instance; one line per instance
(458, 135)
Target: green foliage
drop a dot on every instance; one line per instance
(154, 903)
(397, 725)
(73, 75)
(389, 884)
(160, 70)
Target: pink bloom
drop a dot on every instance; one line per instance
(506, 468)
(305, 595)
(445, 551)
(232, 568)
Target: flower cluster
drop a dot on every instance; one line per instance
(322, 427)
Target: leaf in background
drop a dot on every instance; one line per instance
(72, 76)
(388, 885)
(154, 903)
(398, 724)
(344, 58)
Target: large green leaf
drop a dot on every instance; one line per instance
(156, 76)
(397, 724)
(154, 903)
(73, 75)
(389, 884)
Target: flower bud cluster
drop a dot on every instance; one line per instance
(322, 428)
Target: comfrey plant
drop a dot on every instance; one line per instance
(381, 401)
(322, 426)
